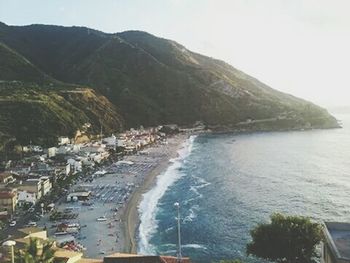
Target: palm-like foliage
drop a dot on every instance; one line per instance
(47, 255)
(36, 252)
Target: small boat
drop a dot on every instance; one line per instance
(73, 225)
(101, 219)
(61, 233)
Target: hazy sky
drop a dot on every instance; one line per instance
(297, 46)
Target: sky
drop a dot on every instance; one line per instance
(301, 47)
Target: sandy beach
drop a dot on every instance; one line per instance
(115, 195)
(131, 217)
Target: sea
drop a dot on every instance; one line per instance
(227, 184)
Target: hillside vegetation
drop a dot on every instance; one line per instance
(29, 112)
(145, 80)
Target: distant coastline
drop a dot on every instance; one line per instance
(271, 125)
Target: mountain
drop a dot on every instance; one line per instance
(31, 112)
(36, 107)
(152, 80)
(13, 66)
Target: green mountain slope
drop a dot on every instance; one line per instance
(29, 112)
(15, 67)
(35, 107)
(155, 81)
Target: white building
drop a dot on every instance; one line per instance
(37, 148)
(51, 152)
(46, 185)
(25, 196)
(68, 169)
(99, 157)
(75, 166)
(63, 150)
(111, 142)
(39, 186)
(76, 148)
(92, 149)
(63, 140)
(86, 161)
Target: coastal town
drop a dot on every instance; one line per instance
(83, 194)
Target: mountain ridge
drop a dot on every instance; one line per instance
(151, 80)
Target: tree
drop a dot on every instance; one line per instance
(287, 239)
(36, 252)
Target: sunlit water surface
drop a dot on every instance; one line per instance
(229, 183)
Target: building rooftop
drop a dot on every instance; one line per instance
(30, 230)
(31, 181)
(64, 253)
(122, 255)
(4, 175)
(134, 258)
(81, 194)
(7, 194)
(338, 237)
(89, 260)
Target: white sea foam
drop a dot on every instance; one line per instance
(195, 246)
(169, 229)
(172, 251)
(192, 215)
(201, 183)
(194, 189)
(148, 207)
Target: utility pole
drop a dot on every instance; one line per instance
(179, 254)
(101, 133)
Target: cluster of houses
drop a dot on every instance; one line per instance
(28, 180)
(15, 192)
(22, 237)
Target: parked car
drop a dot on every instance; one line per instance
(31, 223)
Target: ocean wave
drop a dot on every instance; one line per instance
(170, 247)
(200, 183)
(169, 229)
(194, 189)
(148, 207)
(186, 202)
(169, 252)
(195, 246)
(192, 214)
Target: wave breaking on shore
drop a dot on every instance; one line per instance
(148, 207)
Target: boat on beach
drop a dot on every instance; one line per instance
(101, 219)
(62, 233)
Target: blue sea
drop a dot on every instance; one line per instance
(227, 184)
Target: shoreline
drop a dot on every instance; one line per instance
(130, 218)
